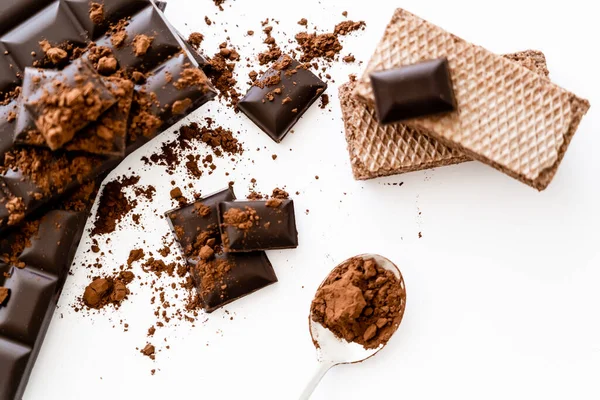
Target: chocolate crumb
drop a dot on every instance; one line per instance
(4, 292)
(207, 20)
(303, 22)
(114, 205)
(349, 58)
(149, 351)
(324, 101)
(141, 44)
(97, 13)
(195, 39)
(175, 193)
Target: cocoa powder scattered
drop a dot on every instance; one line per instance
(360, 302)
(141, 44)
(111, 290)
(325, 45)
(346, 27)
(242, 219)
(195, 39)
(274, 51)
(114, 205)
(220, 72)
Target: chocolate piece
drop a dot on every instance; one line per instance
(508, 116)
(258, 225)
(230, 276)
(35, 283)
(70, 101)
(23, 179)
(196, 223)
(413, 91)
(283, 94)
(379, 150)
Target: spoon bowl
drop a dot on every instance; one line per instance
(331, 350)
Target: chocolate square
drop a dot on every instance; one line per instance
(189, 222)
(413, 91)
(258, 225)
(284, 93)
(247, 273)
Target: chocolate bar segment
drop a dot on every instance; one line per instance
(196, 223)
(230, 276)
(380, 150)
(413, 91)
(281, 96)
(258, 225)
(508, 116)
(34, 280)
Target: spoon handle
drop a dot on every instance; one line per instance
(318, 374)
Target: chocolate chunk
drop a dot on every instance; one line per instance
(413, 91)
(258, 225)
(228, 277)
(295, 88)
(197, 223)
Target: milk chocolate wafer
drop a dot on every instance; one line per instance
(508, 116)
(380, 150)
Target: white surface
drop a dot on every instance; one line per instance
(502, 289)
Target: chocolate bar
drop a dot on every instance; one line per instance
(377, 150)
(169, 87)
(33, 178)
(34, 280)
(258, 225)
(220, 277)
(281, 96)
(508, 116)
(413, 91)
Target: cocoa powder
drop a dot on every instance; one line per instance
(114, 205)
(360, 302)
(220, 72)
(325, 45)
(110, 290)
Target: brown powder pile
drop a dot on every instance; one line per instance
(18, 241)
(111, 290)
(55, 55)
(219, 139)
(195, 39)
(220, 72)
(141, 44)
(274, 51)
(114, 205)
(241, 219)
(97, 13)
(325, 45)
(360, 302)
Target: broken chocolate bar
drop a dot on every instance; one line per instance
(380, 150)
(230, 276)
(508, 116)
(280, 97)
(413, 91)
(258, 225)
(196, 223)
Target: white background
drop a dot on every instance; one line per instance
(503, 288)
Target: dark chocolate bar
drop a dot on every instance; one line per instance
(413, 91)
(157, 101)
(230, 276)
(258, 225)
(279, 98)
(28, 189)
(34, 281)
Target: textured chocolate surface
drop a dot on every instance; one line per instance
(36, 282)
(35, 286)
(249, 272)
(270, 110)
(413, 91)
(273, 227)
(187, 222)
(69, 21)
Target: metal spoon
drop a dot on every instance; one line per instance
(332, 351)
